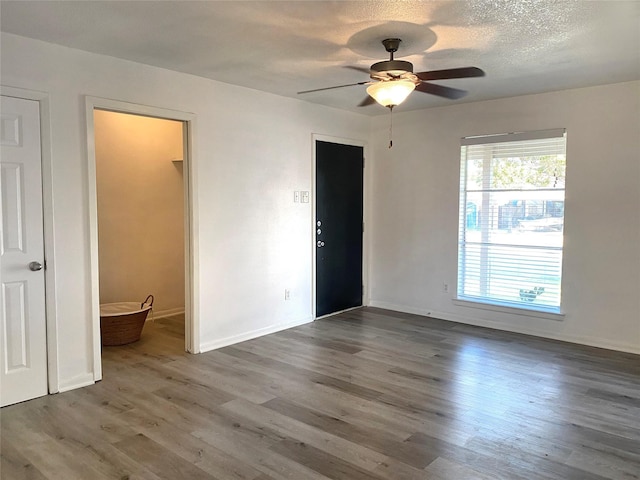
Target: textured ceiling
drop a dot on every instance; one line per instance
(282, 47)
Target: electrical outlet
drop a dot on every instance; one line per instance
(445, 287)
(287, 294)
(305, 196)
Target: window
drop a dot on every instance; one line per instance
(511, 219)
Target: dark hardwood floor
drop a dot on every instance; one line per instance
(369, 394)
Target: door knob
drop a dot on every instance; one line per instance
(35, 266)
(320, 244)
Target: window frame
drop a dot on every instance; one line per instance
(486, 302)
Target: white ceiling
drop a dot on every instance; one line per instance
(282, 47)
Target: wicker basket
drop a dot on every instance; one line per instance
(121, 323)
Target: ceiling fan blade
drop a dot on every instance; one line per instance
(441, 90)
(331, 88)
(358, 69)
(369, 100)
(464, 72)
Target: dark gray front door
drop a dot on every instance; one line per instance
(339, 189)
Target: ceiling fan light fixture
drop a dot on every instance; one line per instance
(391, 93)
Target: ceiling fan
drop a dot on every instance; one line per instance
(393, 80)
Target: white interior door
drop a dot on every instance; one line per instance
(23, 335)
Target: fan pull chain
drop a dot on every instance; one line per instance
(391, 126)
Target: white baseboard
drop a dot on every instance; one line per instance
(78, 381)
(478, 322)
(164, 313)
(225, 342)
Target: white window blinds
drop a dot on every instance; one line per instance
(511, 219)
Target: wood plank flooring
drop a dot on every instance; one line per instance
(369, 394)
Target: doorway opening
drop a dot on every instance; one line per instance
(140, 219)
(140, 190)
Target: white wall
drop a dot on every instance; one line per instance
(415, 208)
(251, 151)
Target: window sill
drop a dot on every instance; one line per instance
(510, 310)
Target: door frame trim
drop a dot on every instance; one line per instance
(46, 156)
(192, 344)
(365, 235)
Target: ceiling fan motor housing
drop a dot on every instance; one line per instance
(393, 70)
(395, 67)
